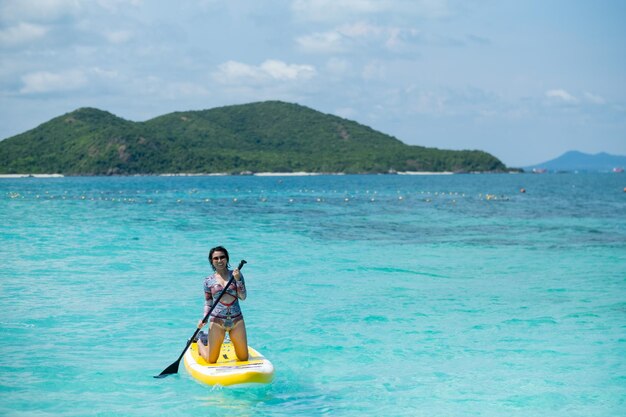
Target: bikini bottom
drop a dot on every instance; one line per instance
(227, 323)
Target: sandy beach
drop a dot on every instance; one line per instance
(221, 174)
(31, 176)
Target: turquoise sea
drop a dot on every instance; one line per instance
(386, 295)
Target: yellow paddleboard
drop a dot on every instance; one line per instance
(228, 370)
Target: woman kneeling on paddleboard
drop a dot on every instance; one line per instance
(227, 315)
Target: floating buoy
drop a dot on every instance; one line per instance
(522, 190)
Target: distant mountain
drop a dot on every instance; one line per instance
(578, 161)
(270, 136)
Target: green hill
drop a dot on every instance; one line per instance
(259, 137)
(579, 161)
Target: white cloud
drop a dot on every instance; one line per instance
(324, 10)
(594, 98)
(337, 66)
(431, 9)
(105, 74)
(270, 70)
(281, 71)
(428, 102)
(22, 33)
(361, 30)
(326, 42)
(41, 10)
(48, 82)
(374, 70)
(398, 38)
(114, 5)
(92, 79)
(341, 10)
(233, 71)
(118, 36)
(561, 95)
(354, 36)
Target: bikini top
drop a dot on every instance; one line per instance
(215, 288)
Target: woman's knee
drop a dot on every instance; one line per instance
(241, 346)
(243, 356)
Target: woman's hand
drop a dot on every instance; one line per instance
(237, 274)
(201, 324)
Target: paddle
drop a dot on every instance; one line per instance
(173, 368)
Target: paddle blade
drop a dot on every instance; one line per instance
(172, 369)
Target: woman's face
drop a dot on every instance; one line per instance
(219, 260)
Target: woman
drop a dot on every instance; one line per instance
(227, 315)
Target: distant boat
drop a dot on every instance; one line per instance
(539, 170)
(618, 169)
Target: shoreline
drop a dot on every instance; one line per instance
(223, 174)
(424, 173)
(32, 176)
(252, 174)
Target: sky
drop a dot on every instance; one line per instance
(525, 80)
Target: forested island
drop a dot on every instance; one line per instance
(270, 136)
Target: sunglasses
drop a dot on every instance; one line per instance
(218, 258)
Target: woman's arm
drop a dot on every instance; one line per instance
(208, 302)
(241, 287)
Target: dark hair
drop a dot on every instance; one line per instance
(218, 249)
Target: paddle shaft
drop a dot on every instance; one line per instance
(173, 368)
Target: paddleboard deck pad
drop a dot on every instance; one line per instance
(228, 370)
